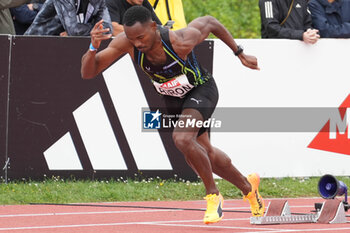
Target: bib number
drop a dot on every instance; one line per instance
(177, 87)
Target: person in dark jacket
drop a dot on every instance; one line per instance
(288, 19)
(6, 22)
(331, 17)
(24, 15)
(70, 18)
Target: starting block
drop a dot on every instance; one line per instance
(332, 211)
(278, 212)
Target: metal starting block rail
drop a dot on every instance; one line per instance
(267, 220)
(278, 212)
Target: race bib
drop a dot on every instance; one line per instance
(177, 87)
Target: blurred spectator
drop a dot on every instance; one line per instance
(289, 19)
(117, 9)
(69, 17)
(6, 22)
(170, 12)
(23, 16)
(331, 17)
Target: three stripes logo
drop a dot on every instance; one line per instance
(268, 10)
(101, 142)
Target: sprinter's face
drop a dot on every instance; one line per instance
(142, 35)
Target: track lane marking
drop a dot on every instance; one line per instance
(155, 223)
(83, 213)
(173, 223)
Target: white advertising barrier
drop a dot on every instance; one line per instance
(292, 74)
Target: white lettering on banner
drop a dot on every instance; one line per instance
(177, 87)
(335, 122)
(188, 123)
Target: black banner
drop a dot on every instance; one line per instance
(4, 79)
(46, 88)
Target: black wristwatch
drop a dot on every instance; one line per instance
(239, 50)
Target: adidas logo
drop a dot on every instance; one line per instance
(298, 6)
(104, 151)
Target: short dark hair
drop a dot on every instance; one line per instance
(136, 14)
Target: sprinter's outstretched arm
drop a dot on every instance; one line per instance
(93, 62)
(199, 29)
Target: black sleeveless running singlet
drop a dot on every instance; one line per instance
(174, 67)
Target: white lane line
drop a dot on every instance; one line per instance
(83, 213)
(114, 212)
(264, 230)
(257, 228)
(63, 226)
(210, 226)
(131, 223)
(173, 223)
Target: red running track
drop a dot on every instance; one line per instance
(92, 219)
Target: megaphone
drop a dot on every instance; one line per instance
(329, 187)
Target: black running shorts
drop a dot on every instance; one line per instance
(202, 98)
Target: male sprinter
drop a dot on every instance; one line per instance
(167, 57)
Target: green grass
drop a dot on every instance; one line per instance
(56, 190)
(241, 17)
